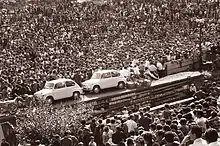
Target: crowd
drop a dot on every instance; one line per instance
(42, 40)
(194, 124)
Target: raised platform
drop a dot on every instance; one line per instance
(165, 90)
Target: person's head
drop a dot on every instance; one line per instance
(199, 113)
(80, 144)
(106, 129)
(92, 138)
(192, 106)
(83, 122)
(108, 121)
(168, 122)
(132, 133)
(169, 136)
(174, 127)
(195, 132)
(153, 126)
(160, 134)
(118, 128)
(37, 142)
(214, 114)
(167, 106)
(211, 135)
(148, 138)
(56, 137)
(183, 121)
(139, 141)
(159, 127)
(166, 128)
(66, 133)
(130, 142)
(100, 121)
(112, 121)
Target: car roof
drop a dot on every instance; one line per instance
(105, 71)
(59, 80)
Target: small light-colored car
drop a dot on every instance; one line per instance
(104, 79)
(60, 89)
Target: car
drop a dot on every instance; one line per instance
(104, 79)
(59, 89)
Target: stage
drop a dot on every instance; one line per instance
(110, 95)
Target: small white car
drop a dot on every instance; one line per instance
(60, 89)
(104, 79)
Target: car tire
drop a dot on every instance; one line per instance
(96, 89)
(76, 95)
(50, 100)
(121, 85)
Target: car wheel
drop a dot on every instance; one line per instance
(121, 85)
(96, 89)
(76, 95)
(50, 100)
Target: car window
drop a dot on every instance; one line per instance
(59, 85)
(115, 74)
(49, 86)
(96, 76)
(70, 83)
(106, 75)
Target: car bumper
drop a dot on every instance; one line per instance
(86, 89)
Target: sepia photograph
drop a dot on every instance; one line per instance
(109, 72)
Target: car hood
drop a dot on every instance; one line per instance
(91, 81)
(43, 92)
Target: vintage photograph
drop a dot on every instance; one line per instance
(109, 72)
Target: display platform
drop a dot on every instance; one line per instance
(167, 89)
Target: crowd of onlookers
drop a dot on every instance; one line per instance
(41, 40)
(195, 124)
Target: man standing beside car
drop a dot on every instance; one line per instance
(77, 78)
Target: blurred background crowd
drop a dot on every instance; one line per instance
(43, 40)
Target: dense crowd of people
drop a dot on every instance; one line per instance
(42, 40)
(194, 124)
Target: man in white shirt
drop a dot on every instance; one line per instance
(211, 136)
(125, 72)
(196, 136)
(132, 125)
(160, 68)
(201, 120)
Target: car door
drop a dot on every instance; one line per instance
(115, 78)
(70, 88)
(105, 81)
(59, 91)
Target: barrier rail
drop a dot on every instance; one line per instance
(153, 96)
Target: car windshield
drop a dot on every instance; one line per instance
(49, 86)
(96, 76)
